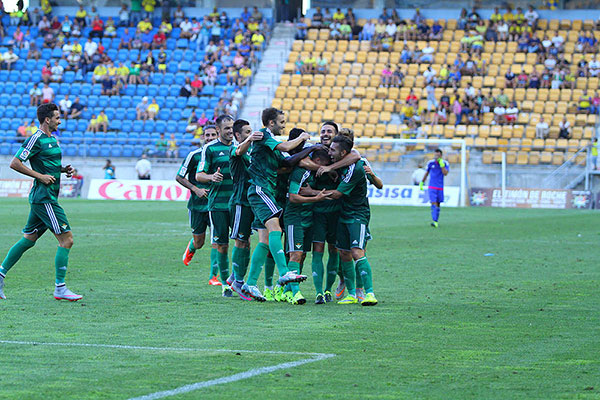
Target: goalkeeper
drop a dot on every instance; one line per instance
(437, 169)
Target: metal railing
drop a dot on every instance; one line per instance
(570, 173)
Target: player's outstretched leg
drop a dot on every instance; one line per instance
(14, 254)
(61, 292)
(189, 252)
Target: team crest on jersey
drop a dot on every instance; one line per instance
(24, 154)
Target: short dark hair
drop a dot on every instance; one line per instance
(321, 154)
(46, 111)
(335, 126)
(295, 132)
(345, 142)
(211, 126)
(270, 114)
(239, 124)
(349, 133)
(223, 118)
(438, 151)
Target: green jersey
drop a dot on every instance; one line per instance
(281, 188)
(44, 155)
(188, 171)
(238, 165)
(353, 185)
(264, 161)
(330, 206)
(216, 155)
(299, 213)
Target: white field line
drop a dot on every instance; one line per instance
(313, 357)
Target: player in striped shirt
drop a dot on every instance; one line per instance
(198, 204)
(45, 157)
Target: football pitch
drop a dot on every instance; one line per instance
(496, 303)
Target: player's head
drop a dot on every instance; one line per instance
(438, 153)
(209, 133)
(294, 134)
(274, 120)
(349, 133)
(340, 147)
(48, 114)
(329, 130)
(225, 128)
(241, 130)
(321, 157)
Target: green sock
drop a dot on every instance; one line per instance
(366, 274)
(256, 263)
(60, 263)
(269, 269)
(245, 260)
(295, 286)
(15, 253)
(191, 247)
(237, 259)
(332, 269)
(349, 276)
(317, 271)
(359, 281)
(223, 260)
(214, 263)
(277, 251)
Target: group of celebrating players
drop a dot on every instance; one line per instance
(242, 181)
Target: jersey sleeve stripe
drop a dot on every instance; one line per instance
(33, 139)
(349, 173)
(304, 178)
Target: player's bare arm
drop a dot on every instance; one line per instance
(374, 179)
(68, 170)
(245, 145)
(292, 144)
(298, 198)
(21, 168)
(348, 160)
(205, 178)
(296, 158)
(192, 188)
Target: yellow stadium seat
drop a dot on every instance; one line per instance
(294, 116)
(497, 157)
(343, 105)
(496, 131)
(491, 142)
(522, 158)
(328, 115)
(487, 157)
(277, 103)
(546, 157)
(511, 157)
(558, 158)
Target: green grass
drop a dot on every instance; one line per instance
(451, 323)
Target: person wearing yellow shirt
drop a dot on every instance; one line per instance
(338, 16)
(81, 16)
(99, 73)
(46, 7)
(102, 122)
(123, 73)
(406, 113)
(111, 70)
(77, 49)
(508, 16)
(253, 26)
(245, 74)
(148, 6)
(496, 16)
(172, 147)
(310, 64)
(239, 38)
(214, 13)
(258, 40)
(153, 109)
(144, 25)
(166, 27)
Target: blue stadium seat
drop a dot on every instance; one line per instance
(64, 89)
(81, 125)
(5, 125)
(149, 125)
(179, 79)
(161, 126)
(127, 151)
(94, 150)
(133, 138)
(125, 102)
(169, 78)
(208, 90)
(181, 125)
(69, 77)
(129, 90)
(174, 90)
(14, 75)
(186, 112)
(10, 112)
(5, 148)
(141, 90)
(177, 55)
(21, 112)
(110, 114)
(116, 151)
(9, 87)
(83, 150)
(103, 101)
(152, 90)
(138, 126)
(97, 89)
(14, 147)
(184, 66)
(170, 102)
(115, 123)
(157, 79)
(192, 102)
(203, 103)
(71, 151)
(114, 102)
(138, 150)
(188, 56)
(175, 114)
(92, 101)
(86, 89)
(163, 91)
(70, 126)
(128, 125)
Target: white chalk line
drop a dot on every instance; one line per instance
(313, 357)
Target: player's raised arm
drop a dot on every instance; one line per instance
(374, 179)
(290, 145)
(348, 160)
(302, 154)
(245, 145)
(443, 166)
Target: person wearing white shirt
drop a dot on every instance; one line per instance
(9, 58)
(418, 175)
(511, 113)
(470, 91)
(429, 74)
(558, 40)
(123, 16)
(186, 27)
(367, 32)
(531, 16)
(565, 129)
(499, 112)
(57, 72)
(391, 28)
(541, 129)
(143, 168)
(594, 67)
(90, 48)
(550, 63)
(65, 106)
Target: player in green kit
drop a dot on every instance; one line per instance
(45, 156)
(353, 225)
(265, 158)
(198, 205)
(214, 168)
(239, 207)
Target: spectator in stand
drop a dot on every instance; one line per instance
(564, 129)
(109, 170)
(594, 67)
(35, 95)
(192, 122)
(65, 106)
(531, 16)
(499, 114)
(108, 86)
(301, 29)
(76, 108)
(534, 80)
(595, 106)
(257, 15)
(46, 72)
(196, 85)
(134, 74)
(145, 25)
(158, 40)
(172, 147)
(18, 37)
(34, 52)
(97, 28)
(142, 109)
(110, 30)
(317, 18)
(367, 32)
(541, 129)
(160, 146)
(148, 64)
(89, 49)
(585, 102)
(546, 79)
(136, 12)
(511, 114)
(178, 16)
(153, 109)
(386, 76)
(166, 27)
(257, 40)
(123, 16)
(345, 30)
(502, 30)
(9, 58)
(322, 67)
(102, 122)
(75, 30)
(81, 16)
(186, 29)
(245, 74)
(57, 72)
(436, 31)
(92, 125)
(522, 79)
(44, 25)
(149, 6)
(427, 54)
(143, 168)
(99, 73)
(186, 88)
(210, 72)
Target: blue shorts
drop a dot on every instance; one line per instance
(436, 195)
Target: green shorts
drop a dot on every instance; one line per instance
(264, 206)
(46, 216)
(352, 235)
(325, 227)
(219, 227)
(241, 222)
(199, 221)
(298, 238)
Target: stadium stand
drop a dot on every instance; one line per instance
(454, 78)
(215, 63)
